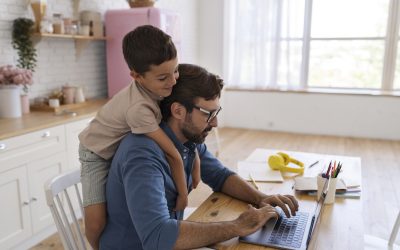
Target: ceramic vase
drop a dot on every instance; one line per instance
(10, 101)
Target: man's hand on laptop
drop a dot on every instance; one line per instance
(282, 201)
(253, 219)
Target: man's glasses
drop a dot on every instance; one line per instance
(211, 114)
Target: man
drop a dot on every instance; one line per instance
(141, 193)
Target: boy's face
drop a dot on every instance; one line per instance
(160, 78)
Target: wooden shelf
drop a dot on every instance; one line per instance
(77, 37)
(80, 41)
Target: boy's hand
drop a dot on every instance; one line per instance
(181, 202)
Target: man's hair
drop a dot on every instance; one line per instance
(145, 46)
(193, 82)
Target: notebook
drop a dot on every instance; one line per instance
(310, 184)
(288, 233)
(260, 171)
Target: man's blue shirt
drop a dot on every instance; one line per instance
(141, 193)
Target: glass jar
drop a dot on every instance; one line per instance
(58, 24)
(46, 26)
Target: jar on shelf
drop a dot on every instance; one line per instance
(46, 26)
(58, 24)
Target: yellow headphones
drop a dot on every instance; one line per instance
(281, 161)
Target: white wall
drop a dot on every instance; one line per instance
(57, 63)
(311, 113)
(325, 114)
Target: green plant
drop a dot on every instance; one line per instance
(22, 31)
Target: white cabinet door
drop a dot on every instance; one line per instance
(72, 130)
(31, 146)
(39, 172)
(15, 220)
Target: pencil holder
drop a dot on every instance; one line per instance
(330, 196)
(320, 185)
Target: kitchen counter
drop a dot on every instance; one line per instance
(36, 120)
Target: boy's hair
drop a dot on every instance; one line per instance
(145, 46)
(193, 82)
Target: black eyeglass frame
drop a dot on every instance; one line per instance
(211, 114)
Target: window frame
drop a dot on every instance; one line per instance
(391, 43)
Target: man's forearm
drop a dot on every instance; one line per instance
(238, 188)
(196, 234)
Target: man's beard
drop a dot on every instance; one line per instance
(188, 130)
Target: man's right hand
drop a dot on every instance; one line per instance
(253, 219)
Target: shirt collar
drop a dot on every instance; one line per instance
(148, 92)
(179, 145)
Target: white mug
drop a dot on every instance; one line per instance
(54, 103)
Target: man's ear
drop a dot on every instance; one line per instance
(178, 111)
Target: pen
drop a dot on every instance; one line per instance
(253, 182)
(313, 164)
(328, 171)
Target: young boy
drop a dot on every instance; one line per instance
(152, 58)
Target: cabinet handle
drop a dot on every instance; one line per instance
(46, 134)
(2, 146)
(34, 199)
(25, 203)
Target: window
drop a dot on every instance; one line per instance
(318, 43)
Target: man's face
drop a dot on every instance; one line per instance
(195, 127)
(160, 78)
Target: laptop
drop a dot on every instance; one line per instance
(288, 233)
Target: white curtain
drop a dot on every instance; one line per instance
(264, 43)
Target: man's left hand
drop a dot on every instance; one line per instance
(282, 201)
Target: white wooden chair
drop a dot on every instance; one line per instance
(375, 243)
(64, 200)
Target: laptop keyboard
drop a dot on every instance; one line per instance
(289, 232)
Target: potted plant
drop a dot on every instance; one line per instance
(22, 31)
(10, 79)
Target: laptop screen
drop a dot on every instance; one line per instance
(318, 209)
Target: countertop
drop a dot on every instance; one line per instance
(36, 120)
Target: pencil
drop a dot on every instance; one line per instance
(253, 182)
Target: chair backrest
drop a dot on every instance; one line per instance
(64, 200)
(395, 231)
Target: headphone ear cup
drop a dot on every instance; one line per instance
(276, 162)
(285, 157)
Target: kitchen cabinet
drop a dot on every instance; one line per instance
(27, 162)
(72, 131)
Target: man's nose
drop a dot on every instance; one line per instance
(214, 122)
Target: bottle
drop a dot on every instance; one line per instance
(91, 28)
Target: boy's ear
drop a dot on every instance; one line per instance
(136, 75)
(178, 111)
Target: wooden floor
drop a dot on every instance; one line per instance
(380, 170)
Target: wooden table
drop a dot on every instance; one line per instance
(340, 226)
